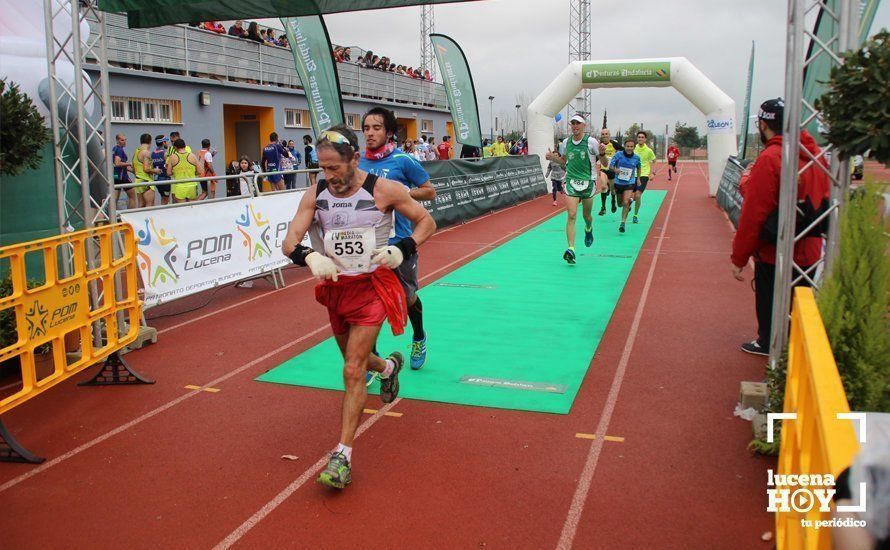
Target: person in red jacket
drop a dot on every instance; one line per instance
(756, 234)
(673, 154)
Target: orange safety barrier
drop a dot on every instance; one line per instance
(817, 443)
(59, 313)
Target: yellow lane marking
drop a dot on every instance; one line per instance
(388, 413)
(211, 390)
(607, 438)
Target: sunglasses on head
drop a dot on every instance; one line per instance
(336, 137)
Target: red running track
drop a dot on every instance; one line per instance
(164, 466)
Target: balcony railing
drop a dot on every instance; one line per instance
(185, 50)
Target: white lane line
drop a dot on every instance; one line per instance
(310, 472)
(570, 527)
(213, 383)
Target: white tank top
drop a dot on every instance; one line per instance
(351, 227)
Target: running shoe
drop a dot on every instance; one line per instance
(614, 207)
(754, 348)
(418, 353)
(337, 473)
(603, 211)
(554, 203)
(636, 219)
(621, 228)
(389, 387)
(569, 256)
(588, 237)
(370, 376)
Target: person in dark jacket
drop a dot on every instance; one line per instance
(755, 236)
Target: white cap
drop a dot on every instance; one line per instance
(578, 118)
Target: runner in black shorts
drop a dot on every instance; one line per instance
(608, 147)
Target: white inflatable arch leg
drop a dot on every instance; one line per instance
(676, 72)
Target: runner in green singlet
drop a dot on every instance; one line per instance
(581, 155)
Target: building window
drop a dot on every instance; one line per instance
(135, 109)
(426, 126)
(296, 118)
(353, 121)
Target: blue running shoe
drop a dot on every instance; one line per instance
(588, 237)
(636, 219)
(621, 228)
(569, 256)
(418, 353)
(370, 376)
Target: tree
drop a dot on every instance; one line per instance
(22, 132)
(686, 136)
(857, 103)
(854, 303)
(631, 132)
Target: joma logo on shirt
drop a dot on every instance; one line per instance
(341, 205)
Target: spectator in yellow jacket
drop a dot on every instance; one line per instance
(499, 149)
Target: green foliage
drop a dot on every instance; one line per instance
(686, 136)
(22, 133)
(631, 133)
(763, 447)
(855, 304)
(857, 105)
(775, 382)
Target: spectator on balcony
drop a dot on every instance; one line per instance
(347, 55)
(214, 26)
(417, 73)
(338, 55)
(253, 32)
(366, 60)
(238, 30)
(374, 61)
(427, 76)
(282, 42)
(270, 37)
(392, 68)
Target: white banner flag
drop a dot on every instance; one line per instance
(185, 250)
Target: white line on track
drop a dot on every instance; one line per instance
(570, 527)
(270, 506)
(213, 383)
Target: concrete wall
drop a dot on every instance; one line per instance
(208, 122)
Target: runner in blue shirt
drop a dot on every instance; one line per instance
(384, 159)
(272, 154)
(122, 169)
(626, 165)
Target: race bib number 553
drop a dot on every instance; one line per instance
(350, 248)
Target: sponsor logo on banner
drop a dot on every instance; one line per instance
(157, 268)
(598, 73)
(721, 125)
(255, 229)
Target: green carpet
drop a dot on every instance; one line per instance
(514, 329)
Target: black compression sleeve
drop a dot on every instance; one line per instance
(407, 246)
(298, 256)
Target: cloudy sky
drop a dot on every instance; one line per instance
(516, 47)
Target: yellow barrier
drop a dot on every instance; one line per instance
(816, 442)
(59, 311)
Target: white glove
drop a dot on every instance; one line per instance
(388, 256)
(322, 267)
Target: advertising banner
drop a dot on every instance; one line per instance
(459, 89)
(185, 250)
(652, 71)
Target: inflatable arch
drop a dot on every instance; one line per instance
(676, 72)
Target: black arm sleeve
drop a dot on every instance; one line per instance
(298, 256)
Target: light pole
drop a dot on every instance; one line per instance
(519, 117)
(491, 111)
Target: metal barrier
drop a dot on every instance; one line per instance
(818, 440)
(204, 53)
(59, 312)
